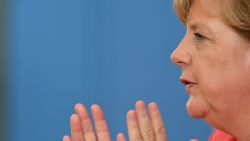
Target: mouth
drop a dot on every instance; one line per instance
(188, 83)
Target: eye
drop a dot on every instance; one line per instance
(199, 36)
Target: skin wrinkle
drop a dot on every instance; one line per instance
(221, 68)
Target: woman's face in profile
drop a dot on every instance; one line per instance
(216, 59)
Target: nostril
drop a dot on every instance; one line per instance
(180, 64)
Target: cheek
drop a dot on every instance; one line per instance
(212, 89)
(215, 85)
(214, 75)
(211, 96)
(212, 86)
(225, 92)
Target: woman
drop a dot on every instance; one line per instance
(214, 57)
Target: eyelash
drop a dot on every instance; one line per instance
(199, 36)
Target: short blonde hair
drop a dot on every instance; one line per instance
(235, 13)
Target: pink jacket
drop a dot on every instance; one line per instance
(218, 135)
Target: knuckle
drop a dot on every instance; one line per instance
(143, 115)
(88, 129)
(160, 130)
(148, 134)
(87, 126)
(102, 130)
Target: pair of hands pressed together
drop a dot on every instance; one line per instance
(143, 124)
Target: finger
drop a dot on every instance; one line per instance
(194, 140)
(133, 126)
(101, 126)
(157, 122)
(121, 137)
(145, 124)
(66, 138)
(76, 128)
(88, 130)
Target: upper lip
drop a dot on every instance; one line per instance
(187, 81)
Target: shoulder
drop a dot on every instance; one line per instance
(218, 135)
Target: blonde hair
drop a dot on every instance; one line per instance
(235, 13)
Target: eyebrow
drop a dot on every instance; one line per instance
(195, 25)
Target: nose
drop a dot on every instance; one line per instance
(181, 55)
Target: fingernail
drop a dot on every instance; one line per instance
(121, 137)
(120, 134)
(74, 118)
(95, 106)
(140, 104)
(77, 106)
(153, 106)
(131, 115)
(66, 138)
(74, 121)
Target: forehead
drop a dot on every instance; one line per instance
(203, 9)
(203, 14)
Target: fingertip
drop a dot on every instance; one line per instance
(95, 107)
(120, 134)
(193, 140)
(66, 138)
(121, 137)
(97, 112)
(77, 105)
(140, 104)
(81, 110)
(74, 117)
(152, 106)
(131, 114)
(75, 122)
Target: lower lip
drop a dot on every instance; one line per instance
(189, 87)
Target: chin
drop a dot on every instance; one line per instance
(195, 114)
(196, 109)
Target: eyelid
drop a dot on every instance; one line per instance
(199, 36)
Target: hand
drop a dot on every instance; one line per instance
(82, 128)
(144, 124)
